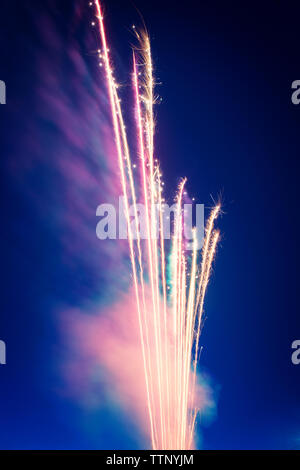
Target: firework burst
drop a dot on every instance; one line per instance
(169, 306)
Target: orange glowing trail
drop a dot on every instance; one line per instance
(148, 100)
(167, 323)
(144, 178)
(164, 290)
(212, 250)
(112, 95)
(178, 292)
(207, 258)
(189, 339)
(150, 236)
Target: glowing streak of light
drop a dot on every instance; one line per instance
(112, 96)
(189, 336)
(164, 289)
(205, 271)
(144, 178)
(149, 130)
(211, 253)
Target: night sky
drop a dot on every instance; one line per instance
(228, 124)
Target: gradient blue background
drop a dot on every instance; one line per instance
(227, 123)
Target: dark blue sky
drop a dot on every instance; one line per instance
(227, 123)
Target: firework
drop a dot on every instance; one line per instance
(169, 307)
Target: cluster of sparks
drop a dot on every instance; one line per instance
(169, 288)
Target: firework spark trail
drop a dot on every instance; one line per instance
(188, 336)
(144, 177)
(211, 254)
(179, 293)
(149, 214)
(176, 296)
(148, 99)
(167, 324)
(208, 253)
(151, 232)
(114, 101)
(164, 289)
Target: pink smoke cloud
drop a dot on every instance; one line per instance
(110, 337)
